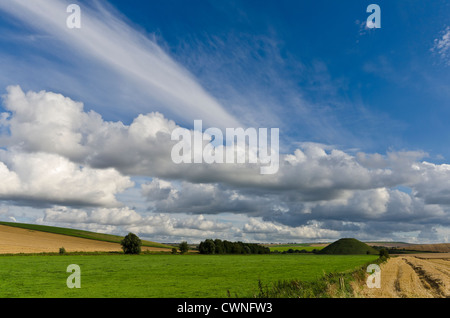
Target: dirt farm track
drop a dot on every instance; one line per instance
(17, 240)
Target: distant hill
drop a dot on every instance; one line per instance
(410, 247)
(79, 233)
(348, 246)
(436, 248)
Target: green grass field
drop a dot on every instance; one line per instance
(151, 276)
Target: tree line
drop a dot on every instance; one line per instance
(218, 246)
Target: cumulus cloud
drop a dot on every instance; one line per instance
(196, 227)
(373, 213)
(104, 216)
(52, 123)
(434, 185)
(56, 153)
(43, 178)
(193, 227)
(124, 219)
(201, 198)
(265, 231)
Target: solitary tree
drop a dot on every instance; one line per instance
(131, 244)
(183, 247)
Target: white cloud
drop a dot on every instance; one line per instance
(434, 184)
(52, 179)
(55, 153)
(49, 122)
(123, 220)
(205, 198)
(365, 27)
(104, 216)
(193, 227)
(442, 46)
(266, 231)
(65, 215)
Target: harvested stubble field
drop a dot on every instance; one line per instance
(14, 240)
(413, 276)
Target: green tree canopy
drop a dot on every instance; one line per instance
(183, 247)
(131, 244)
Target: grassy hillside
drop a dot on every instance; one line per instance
(348, 246)
(78, 233)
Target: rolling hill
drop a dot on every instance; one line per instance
(348, 246)
(79, 233)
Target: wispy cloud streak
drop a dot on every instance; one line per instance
(107, 39)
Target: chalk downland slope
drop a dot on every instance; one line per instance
(30, 238)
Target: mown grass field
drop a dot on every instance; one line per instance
(152, 276)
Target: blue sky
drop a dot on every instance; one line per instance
(380, 88)
(382, 85)
(378, 98)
